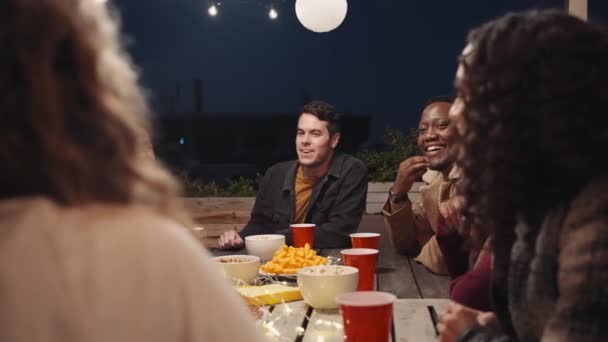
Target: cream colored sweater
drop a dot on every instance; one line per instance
(109, 273)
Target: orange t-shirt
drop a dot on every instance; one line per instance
(303, 193)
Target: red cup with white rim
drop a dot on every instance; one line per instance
(365, 240)
(367, 315)
(363, 259)
(302, 234)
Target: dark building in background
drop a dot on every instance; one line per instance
(221, 146)
(198, 96)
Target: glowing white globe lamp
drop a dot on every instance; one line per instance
(321, 15)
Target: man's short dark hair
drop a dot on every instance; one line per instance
(442, 98)
(324, 112)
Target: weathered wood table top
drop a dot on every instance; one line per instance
(417, 289)
(396, 273)
(296, 321)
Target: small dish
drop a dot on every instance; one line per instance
(238, 268)
(264, 245)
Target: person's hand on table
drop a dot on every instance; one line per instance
(459, 318)
(409, 171)
(230, 239)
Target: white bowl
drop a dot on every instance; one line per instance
(239, 268)
(321, 284)
(264, 245)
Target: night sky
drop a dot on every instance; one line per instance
(385, 59)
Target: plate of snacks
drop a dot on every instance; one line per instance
(288, 260)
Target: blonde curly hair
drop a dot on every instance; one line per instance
(74, 119)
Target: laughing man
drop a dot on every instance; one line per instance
(412, 226)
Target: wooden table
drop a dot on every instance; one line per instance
(416, 287)
(296, 321)
(396, 273)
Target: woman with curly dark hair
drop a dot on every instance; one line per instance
(533, 95)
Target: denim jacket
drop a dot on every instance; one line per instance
(336, 204)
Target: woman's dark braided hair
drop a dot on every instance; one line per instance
(535, 95)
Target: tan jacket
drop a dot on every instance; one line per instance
(414, 224)
(109, 273)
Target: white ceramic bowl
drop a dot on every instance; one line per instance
(321, 284)
(238, 268)
(264, 245)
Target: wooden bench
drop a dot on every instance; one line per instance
(214, 215)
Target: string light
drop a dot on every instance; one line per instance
(212, 10)
(273, 14)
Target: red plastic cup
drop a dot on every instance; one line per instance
(302, 234)
(363, 259)
(365, 240)
(367, 315)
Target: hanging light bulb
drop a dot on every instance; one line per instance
(273, 14)
(212, 10)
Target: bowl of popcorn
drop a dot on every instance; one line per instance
(240, 269)
(321, 284)
(264, 245)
